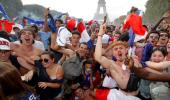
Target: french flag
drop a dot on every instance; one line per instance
(133, 23)
(84, 35)
(79, 24)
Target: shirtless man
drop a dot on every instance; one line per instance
(119, 71)
(26, 52)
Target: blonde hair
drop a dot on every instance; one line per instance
(125, 44)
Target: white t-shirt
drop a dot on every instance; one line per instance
(109, 82)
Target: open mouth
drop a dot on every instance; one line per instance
(119, 54)
(27, 40)
(152, 41)
(163, 39)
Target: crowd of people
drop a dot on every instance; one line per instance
(52, 63)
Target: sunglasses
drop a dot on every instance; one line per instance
(44, 60)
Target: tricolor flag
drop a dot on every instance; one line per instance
(84, 35)
(133, 23)
(73, 23)
(3, 12)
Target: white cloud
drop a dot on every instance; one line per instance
(86, 8)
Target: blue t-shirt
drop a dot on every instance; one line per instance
(147, 51)
(44, 38)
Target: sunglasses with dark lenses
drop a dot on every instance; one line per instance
(44, 60)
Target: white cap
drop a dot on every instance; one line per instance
(4, 44)
(105, 39)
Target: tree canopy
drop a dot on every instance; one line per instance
(155, 9)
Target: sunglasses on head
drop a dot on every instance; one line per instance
(44, 60)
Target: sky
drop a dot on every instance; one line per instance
(86, 8)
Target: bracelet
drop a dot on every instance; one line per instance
(100, 35)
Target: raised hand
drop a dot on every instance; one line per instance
(102, 29)
(46, 12)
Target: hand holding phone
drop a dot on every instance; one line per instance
(105, 18)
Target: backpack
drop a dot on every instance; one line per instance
(72, 67)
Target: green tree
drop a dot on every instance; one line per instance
(16, 8)
(12, 7)
(154, 10)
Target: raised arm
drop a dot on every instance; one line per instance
(98, 50)
(46, 28)
(158, 66)
(54, 45)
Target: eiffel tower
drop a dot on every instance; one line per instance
(100, 16)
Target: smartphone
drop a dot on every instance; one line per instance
(105, 18)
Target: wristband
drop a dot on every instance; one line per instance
(99, 35)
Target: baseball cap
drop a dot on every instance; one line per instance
(4, 44)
